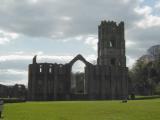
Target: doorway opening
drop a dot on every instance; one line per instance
(78, 81)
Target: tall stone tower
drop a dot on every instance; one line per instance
(112, 60)
(111, 44)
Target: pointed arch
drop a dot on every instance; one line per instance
(81, 58)
(81, 84)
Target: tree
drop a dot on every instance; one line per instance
(145, 76)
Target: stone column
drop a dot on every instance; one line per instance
(55, 81)
(45, 93)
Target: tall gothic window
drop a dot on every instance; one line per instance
(78, 81)
(50, 68)
(112, 42)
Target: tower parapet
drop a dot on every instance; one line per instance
(111, 26)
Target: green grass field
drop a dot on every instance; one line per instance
(84, 110)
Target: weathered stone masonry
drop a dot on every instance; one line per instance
(106, 80)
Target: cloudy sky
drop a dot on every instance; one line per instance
(58, 30)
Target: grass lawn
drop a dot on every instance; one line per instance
(84, 110)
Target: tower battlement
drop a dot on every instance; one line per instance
(111, 26)
(111, 44)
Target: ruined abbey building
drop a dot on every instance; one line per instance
(106, 80)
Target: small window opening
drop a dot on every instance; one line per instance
(113, 61)
(112, 43)
(61, 66)
(40, 69)
(50, 69)
(119, 63)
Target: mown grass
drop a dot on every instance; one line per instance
(84, 110)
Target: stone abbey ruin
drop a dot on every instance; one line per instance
(106, 80)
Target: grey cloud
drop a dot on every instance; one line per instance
(12, 76)
(147, 35)
(143, 39)
(43, 19)
(62, 19)
(15, 64)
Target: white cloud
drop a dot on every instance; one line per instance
(19, 55)
(41, 57)
(52, 58)
(148, 20)
(15, 57)
(130, 61)
(78, 67)
(18, 52)
(130, 44)
(6, 37)
(157, 5)
(145, 10)
(13, 76)
(13, 82)
(55, 34)
(92, 41)
(33, 1)
(91, 57)
(79, 38)
(66, 18)
(12, 72)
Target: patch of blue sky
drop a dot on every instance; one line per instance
(152, 4)
(149, 2)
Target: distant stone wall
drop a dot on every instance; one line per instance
(14, 91)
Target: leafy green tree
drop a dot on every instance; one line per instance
(145, 77)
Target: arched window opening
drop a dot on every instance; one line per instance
(112, 42)
(119, 63)
(40, 68)
(78, 83)
(50, 68)
(113, 61)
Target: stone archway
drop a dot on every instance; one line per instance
(86, 63)
(81, 58)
